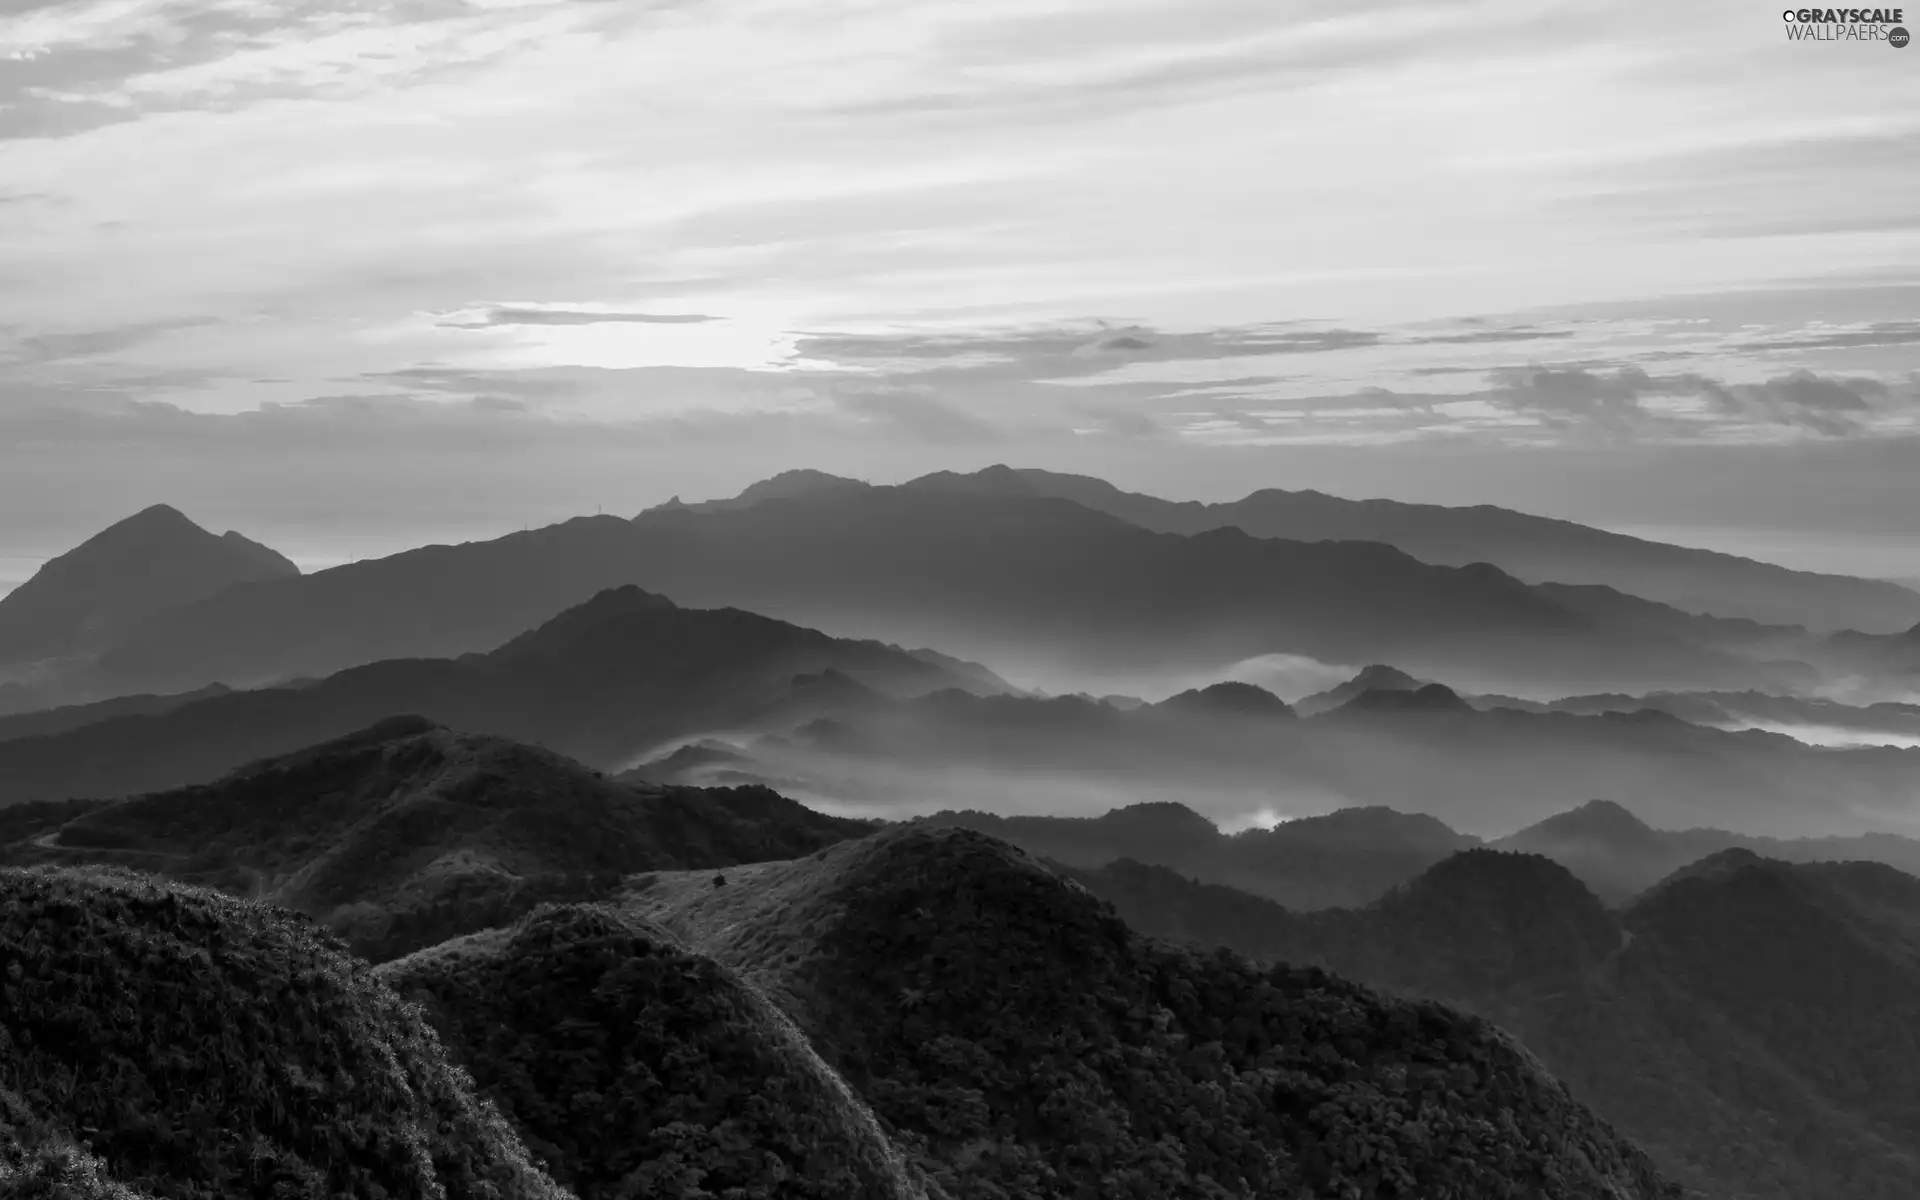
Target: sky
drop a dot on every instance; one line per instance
(355, 276)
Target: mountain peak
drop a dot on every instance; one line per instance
(138, 567)
(1228, 696)
(1434, 697)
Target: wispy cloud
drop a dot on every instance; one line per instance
(495, 317)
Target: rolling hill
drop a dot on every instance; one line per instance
(406, 833)
(631, 1066)
(1020, 1040)
(1748, 1021)
(184, 1044)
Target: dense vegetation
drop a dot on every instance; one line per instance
(1751, 1023)
(1025, 1043)
(633, 1068)
(206, 1047)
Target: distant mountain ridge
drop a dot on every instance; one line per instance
(1353, 856)
(131, 571)
(1536, 549)
(602, 681)
(1234, 750)
(987, 576)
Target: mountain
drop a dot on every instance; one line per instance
(1347, 857)
(206, 1048)
(1750, 1022)
(1427, 751)
(633, 1067)
(1020, 1040)
(46, 721)
(1375, 678)
(1619, 855)
(105, 587)
(606, 681)
(1535, 549)
(1227, 699)
(406, 833)
(1049, 583)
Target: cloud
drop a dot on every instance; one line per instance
(498, 316)
(1879, 333)
(87, 343)
(918, 412)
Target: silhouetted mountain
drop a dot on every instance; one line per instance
(1011, 1031)
(1227, 699)
(42, 722)
(1346, 857)
(1376, 678)
(204, 1047)
(1750, 1022)
(1536, 549)
(1619, 855)
(1485, 772)
(631, 1067)
(784, 486)
(1048, 582)
(1433, 698)
(100, 590)
(604, 682)
(406, 833)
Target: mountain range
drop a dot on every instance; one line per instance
(905, 1013)
(1747, 1020)
(1532, 548)
(1233, 751)
(991, 573)
(602, 681)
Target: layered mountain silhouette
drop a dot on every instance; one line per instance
(603, 682)
(105, 587)
(1532, 548)
(1019, 1039)
(1749, 1021)
(1619, 855)
(1040, 580)
(406, 833)
(1233, 751)
(1342, 858)
(634, 1067)
(172, 1042)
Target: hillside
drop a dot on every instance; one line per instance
(102, 589)
(209, 1048)
(633, 1067)
(1045, 582)
(604, 681)
(1013, 1033)
(407, 833)
(1533, 548)
(1749, 1022)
